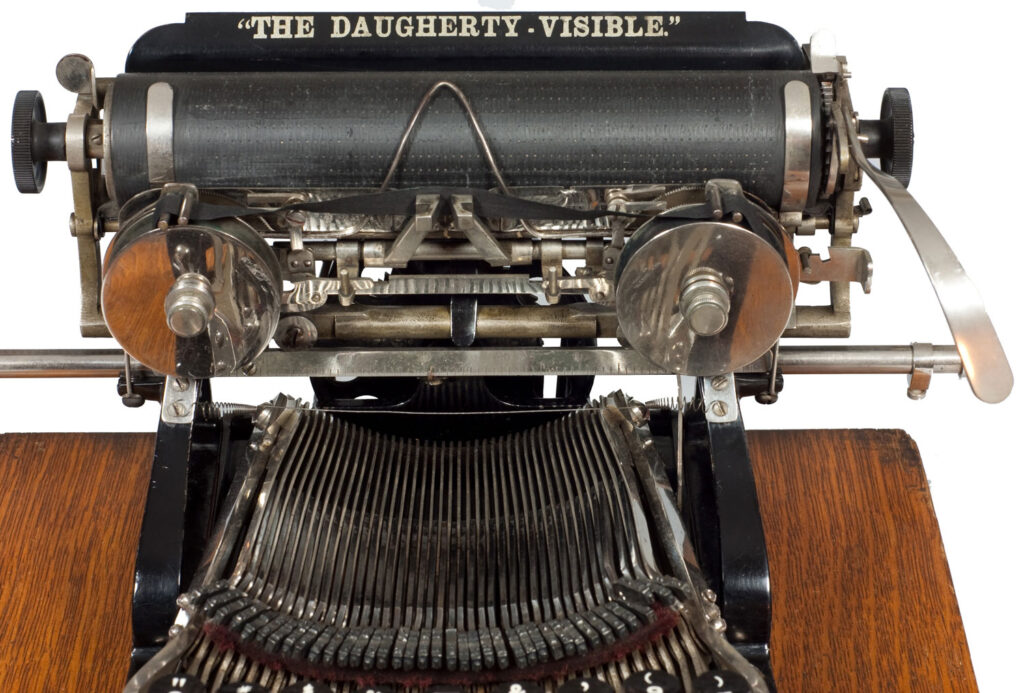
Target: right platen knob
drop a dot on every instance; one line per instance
(890, 139)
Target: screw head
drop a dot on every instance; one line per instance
(719, 408)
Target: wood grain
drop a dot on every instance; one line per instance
(863, 599)
(862, 595)
(70, 509)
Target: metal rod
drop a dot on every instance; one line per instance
(64, 363)
(793, 360)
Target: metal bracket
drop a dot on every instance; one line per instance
(477, 233)
(844, 265)
(799, 124)
(76, 73)
(428, 209)
(189, 195)
(720, 402)
(920, 377)
(551, 269)
(179, 402)
(346, 266)
(822, 53)
(160, 132)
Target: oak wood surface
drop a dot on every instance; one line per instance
(862, 595)
(70, 512)
(863, 599)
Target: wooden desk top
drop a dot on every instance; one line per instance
(862, 595)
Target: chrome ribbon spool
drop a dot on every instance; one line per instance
(190, 301)
(704, 297)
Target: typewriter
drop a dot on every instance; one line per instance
(426, 215)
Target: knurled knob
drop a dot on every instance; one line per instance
(29, 172)
(897, 118)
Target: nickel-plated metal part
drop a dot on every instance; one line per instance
(572, 320)
(160, 132)
(822, 53)
(921, 376)
(428, 208)
(477, 232)
(76, 73)
(65, 363)
(704, 302)
(770, 395)
(179, 400)
(650, 288)
(721, 405)
(310, 294)
(793, 360)
(75, 147)
(193, 301)
(189, 305)
(296, 332)
(478, 132)
(799, 145)
(843, 265)
(985, 363)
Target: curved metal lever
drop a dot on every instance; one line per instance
(984, 360)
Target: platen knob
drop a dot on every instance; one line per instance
(897, 117)
(28, 119)
(890, 139)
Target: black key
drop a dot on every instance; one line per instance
(653, 682)
(715, 681)
(585, 685)
(517, 687)
(307, 687)
(242, 687)
(178, 683)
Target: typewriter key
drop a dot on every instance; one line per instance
(178, 683)
(517, 687)
(585, 685)
(307, 687)
(241, 687)
(653, 682)
(715, 681)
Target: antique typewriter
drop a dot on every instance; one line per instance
(426, 215)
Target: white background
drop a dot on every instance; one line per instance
(960, 66)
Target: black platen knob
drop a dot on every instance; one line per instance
(177, 683)
(29, 171)
(897, 118)
(890, 139)
(715, 681)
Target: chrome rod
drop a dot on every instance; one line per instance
(448, 362)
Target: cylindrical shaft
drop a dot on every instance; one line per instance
(793, 360)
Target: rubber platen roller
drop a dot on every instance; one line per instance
(341, 130)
